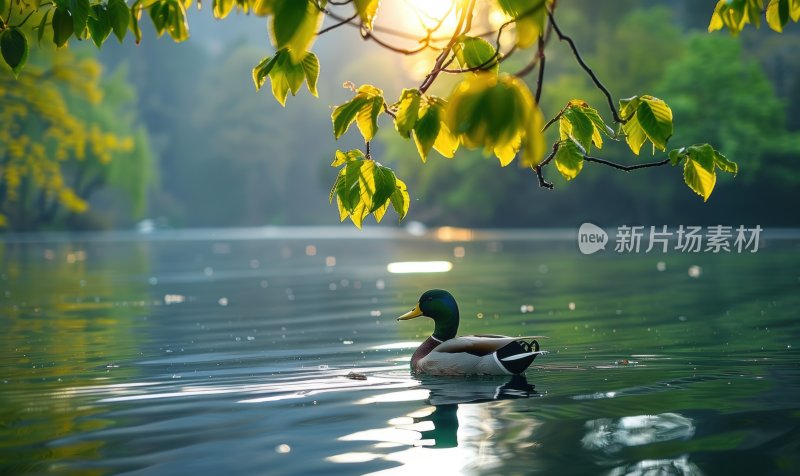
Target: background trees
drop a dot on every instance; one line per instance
(202, 184)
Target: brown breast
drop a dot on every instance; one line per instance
(424, 349)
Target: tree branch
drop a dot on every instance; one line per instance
(579, 58)
(626, 168)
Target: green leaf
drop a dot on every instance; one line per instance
(446, 142)
(426, 130)
(385, 186)
(294, 24)
(490, 112)
(400, 199)
(367, 117)
(136, 11)
(62, 26)
(655, 118)
(177, 25)
(676, 155)
(222, 8)
(364, 108)
(79, 9)
(407, 112)
(364, 187)
(119, 16)
(575, 124)
(286, 75)
(367, 9)
(42, 26)
(648, 118)
(778, 12)
(569, 159)
(534, 146)
(724, 164)
(344, 157)
(14, 48)
(99, 25)
(159, 16)
(530, 18)
(701, 160)
(345, 114)
(474, 52)
(699, 178)
(262, 69)
(311, 70)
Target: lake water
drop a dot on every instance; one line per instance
(229, 353)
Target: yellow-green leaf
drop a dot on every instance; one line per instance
(699, 178)
(647, 118)
(446, 142)
(427, 129)
(655, 118)
(400, 199)
(530, 17)
(569, 159)
(311, 70)
(294, 24)
(474, 52)
(367, 117)
(345, 114)
(488, 111)
(367, 9)
(575, 124)
(222, 8)
(407, 111)
(533, 147)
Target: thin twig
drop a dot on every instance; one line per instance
(540, 77)
(542, 182)
(579, 58)
(626, 168)
(438, 66)
(538, 169)
(338, 24)
(368, 35)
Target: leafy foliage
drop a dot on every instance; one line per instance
(647, 118)
(287, 73)
(736, 14)
(700, 162)
(488, 110)
(497, 114)
(364, 109)
(365, 187)
(60, 135)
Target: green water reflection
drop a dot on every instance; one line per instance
(232, 355)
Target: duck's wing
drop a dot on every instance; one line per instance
(478, 345)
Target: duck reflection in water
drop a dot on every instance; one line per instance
(462, 426)
(446, 395)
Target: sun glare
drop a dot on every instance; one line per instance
(421, 16)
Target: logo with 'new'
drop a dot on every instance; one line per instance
(591, 238)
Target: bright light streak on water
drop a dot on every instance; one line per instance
(407, 267)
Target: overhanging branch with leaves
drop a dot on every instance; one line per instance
(489, 109)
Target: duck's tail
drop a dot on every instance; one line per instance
(518, 355)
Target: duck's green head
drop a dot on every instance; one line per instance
(440, 306)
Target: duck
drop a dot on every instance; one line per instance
(444, 353)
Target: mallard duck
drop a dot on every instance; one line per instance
(445, 354)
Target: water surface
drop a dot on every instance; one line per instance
(229, 353)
